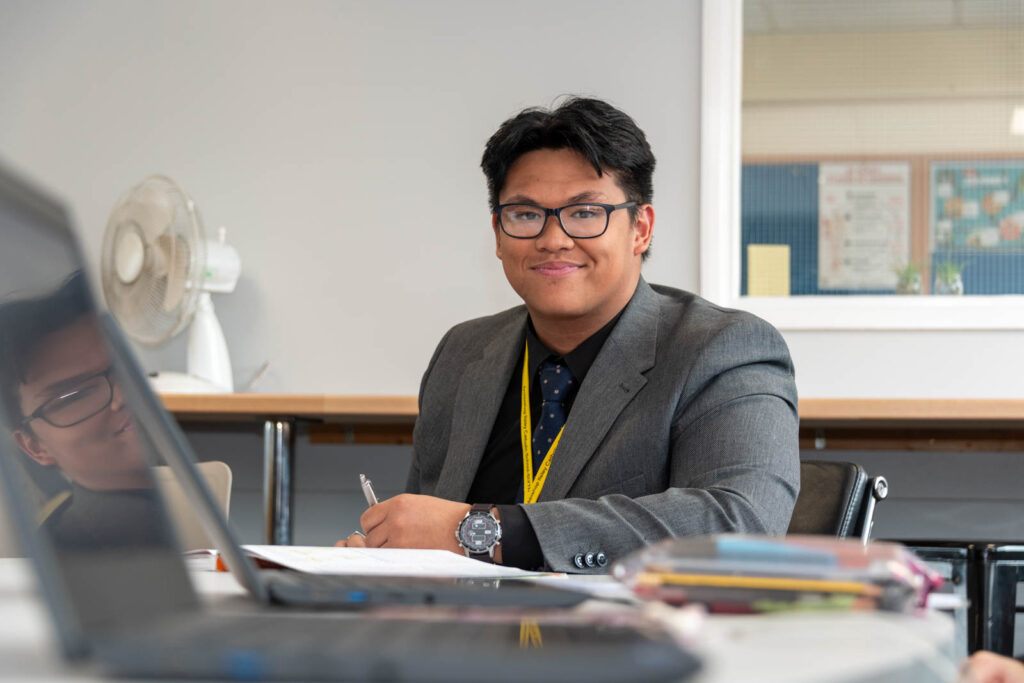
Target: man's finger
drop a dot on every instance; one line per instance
(376, 538)
(374, 515)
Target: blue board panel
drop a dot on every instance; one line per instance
(780, 206)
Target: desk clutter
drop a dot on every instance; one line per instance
(756, 574)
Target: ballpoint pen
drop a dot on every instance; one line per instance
(371, 497)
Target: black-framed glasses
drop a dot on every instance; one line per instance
(87, 399)
(578, 221)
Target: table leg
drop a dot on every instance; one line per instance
(278, 488)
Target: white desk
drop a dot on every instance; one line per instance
(794, 648)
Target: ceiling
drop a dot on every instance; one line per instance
(879, 16)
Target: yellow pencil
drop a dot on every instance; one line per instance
(769, 582)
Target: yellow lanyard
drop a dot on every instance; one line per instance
(532, 484)
(529, 634)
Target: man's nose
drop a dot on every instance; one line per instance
(117, 397)
(552, 237)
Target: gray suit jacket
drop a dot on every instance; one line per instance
(685, 424)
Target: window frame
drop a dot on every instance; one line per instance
(720, 240)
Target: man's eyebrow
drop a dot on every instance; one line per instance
(588, 196)
(520, 199)
(63, 385)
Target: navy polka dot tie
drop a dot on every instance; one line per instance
(556, 386)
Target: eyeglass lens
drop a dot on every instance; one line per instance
(80, 404)
(578, 220)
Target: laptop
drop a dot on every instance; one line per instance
(102, 544)
(170, 447)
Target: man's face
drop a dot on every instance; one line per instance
(101, 452)
(581, 282)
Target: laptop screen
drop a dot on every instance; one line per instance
(83, 494)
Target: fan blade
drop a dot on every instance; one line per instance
(152, 208)
(171, 252)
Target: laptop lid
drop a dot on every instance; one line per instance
(174, 450)
(74, 464)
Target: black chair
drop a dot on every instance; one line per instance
(1003, 567)
(836, 499)
(988, 576)
(961, 565)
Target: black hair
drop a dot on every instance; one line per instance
(24, 323)
(606, 137)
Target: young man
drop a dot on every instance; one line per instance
(64, 409)
(644, 412)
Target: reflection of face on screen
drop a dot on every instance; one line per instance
(74, 468)
(74, 411)
(66, 412)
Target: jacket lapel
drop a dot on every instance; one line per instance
(477, 401)
(611, 383)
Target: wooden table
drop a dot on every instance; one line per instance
(825, 423)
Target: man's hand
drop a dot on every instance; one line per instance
(410, 521)
(355, 540)
(988, 667)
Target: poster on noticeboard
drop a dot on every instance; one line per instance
(863, 224)
(977, 205)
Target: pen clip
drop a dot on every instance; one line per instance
(371, 497)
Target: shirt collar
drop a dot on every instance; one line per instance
(579, 359)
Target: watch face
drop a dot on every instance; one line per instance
(478, 532)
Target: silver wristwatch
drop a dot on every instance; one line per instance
(479, 532)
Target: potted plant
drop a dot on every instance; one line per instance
(948, 279)
(908, 279)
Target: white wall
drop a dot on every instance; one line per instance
(339, 142)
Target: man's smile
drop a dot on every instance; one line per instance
(125, 426)
(556, 268)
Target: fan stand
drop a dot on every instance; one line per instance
(209, 365)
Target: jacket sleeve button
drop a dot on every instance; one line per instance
(578, 561)
(589, 560)
(602, 559)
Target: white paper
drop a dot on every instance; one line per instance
(600, 586)
(946, 601)
(381, 561)
(203, 559)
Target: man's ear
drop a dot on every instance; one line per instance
(497, 234)
(33, 447)
(643, 229)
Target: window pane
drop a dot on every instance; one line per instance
(883, 147)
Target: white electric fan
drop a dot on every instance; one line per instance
(158, 270)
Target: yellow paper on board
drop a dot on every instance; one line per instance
(767, 270)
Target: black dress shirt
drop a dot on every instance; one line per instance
(499, 479)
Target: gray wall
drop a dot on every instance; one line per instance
(339, 142)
